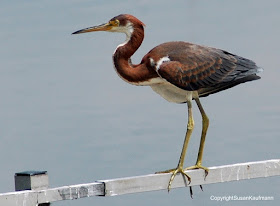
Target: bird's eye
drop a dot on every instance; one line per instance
(114, 22)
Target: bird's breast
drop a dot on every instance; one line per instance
(172, 93)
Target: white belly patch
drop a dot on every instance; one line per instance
(172, 93)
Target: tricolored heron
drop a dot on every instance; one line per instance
(179, 72)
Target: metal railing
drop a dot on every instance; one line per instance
(32, 186)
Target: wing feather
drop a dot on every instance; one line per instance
(193, 67)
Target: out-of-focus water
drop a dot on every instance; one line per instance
(63, 108)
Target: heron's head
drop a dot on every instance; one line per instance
(124, 23)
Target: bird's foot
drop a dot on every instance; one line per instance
(198, 166)
(174, 172)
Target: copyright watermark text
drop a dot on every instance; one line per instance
(241, 198)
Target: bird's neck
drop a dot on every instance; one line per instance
(133, 74)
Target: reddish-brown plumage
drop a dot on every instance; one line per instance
(125, 18)
(190, 67)
(134, 74)
(185, 65)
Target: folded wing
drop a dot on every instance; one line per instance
(207, 70)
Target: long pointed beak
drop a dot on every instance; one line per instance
(102, 27)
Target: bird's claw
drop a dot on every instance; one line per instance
(191, 192)
(182, 171)
(174, 172)
(198, 166)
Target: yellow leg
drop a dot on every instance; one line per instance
(179, 168)
(205, 124)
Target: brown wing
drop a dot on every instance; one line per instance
(208, 70)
